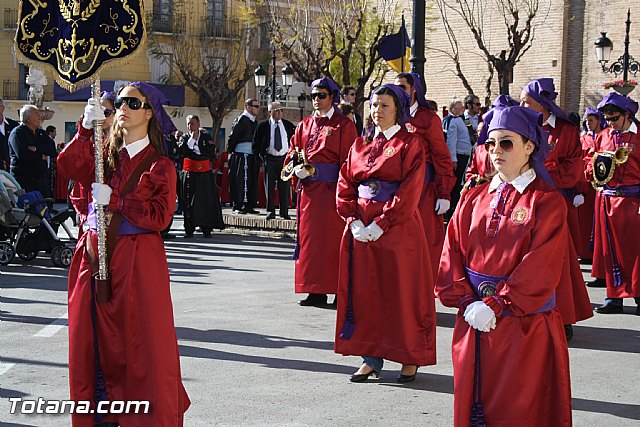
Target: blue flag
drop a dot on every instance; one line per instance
(395, 49)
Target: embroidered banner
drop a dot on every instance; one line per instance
(79, 37)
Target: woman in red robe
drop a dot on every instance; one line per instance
(325, 137)
(618, 208)
(439, 178)
(386, 304)
(126, 348)
(501, 265)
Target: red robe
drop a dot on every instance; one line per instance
(428, 126)
(623, 214)
(393, 299)
(565, 165)
(319, 225)
(585, 211)
(480, 165)
(525, 360)
(136, 336)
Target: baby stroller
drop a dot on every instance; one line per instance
(28, 226)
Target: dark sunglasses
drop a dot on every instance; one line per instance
(320, 95)
(132, 102)
(254, 106)
(108, 112)
(477, 104)
(613, 119)
(506, 145)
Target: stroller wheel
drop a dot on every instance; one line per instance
(28, 256)
(61, 256)
(6, 253)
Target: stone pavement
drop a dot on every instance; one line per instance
(251, 356)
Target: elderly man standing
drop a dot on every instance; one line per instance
(271, 143)
(29, 148)
(243, 168)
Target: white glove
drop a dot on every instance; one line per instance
(578, 200)
(359, 231)
(92, 111)
(480, 316)
(101, 194)
(301, 172)
(375, 231)
(442, 206)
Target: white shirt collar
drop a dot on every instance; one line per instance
(389, 133)
(551, 121)
(136, 147)
(413, 109)
(633, 128)
(248, 114)
(520, 183)
(273, 121)
(328, 115)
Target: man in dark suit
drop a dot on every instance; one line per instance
(349, 97)
(6, 126)
(271, 144)
(243, 167)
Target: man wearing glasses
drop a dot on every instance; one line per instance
(471, 115)
(243, 167)
(349, 96)
(271, 142)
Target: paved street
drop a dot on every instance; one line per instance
(252, 357)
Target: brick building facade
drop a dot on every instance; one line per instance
(563, 48)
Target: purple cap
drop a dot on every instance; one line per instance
(157, 99)
(420, 92)
(623, 102)
(593, 112)
(544, 92)
(501, 101)
(403, 99)
(108, 95)
(527, 123)
(332, 86)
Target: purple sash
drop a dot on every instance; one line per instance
(485, 286)
(377, 189)
(622, 191)
(325, 172)
(568, 193)
(126, 226)
(429, 173)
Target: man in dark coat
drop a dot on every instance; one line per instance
(271, 144)
(6, 126)
(243, 167)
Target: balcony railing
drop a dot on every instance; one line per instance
(173, 23)
(10, 18)
(220, 28)
(11, 89)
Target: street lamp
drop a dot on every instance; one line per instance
(625, 63)
(260, 76)
(302, 103)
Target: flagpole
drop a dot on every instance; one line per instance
(417, 43)
(103, 272)
(403, 48)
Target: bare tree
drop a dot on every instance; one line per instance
(333, 38)
(520, 19)
(210, 56)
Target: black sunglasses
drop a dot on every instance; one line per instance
(477, 104)
(320, 95)
(254, 106)
(108, 112)
(613, 119)
(132, 102)
(505, 144)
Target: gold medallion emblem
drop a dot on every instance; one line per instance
(410, 127)
(389, 151)
(519, 215)
(327, 132)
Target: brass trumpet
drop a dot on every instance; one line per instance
(297, 161)
(604, 165)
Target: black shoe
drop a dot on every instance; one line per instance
(188, 235)
(585, 261)
(568, 332)
(238, 211)
(360, 378)
(251, 211)
(407, 378)
(271, 215)
(206, 234)
(287, 217)
(597, 283)
(314, 300)
(168, 236)
(610, 309)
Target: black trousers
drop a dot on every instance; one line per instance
(272, 168)
(243, 180)
(461, 169)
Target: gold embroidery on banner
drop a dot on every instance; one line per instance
(47, 30)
